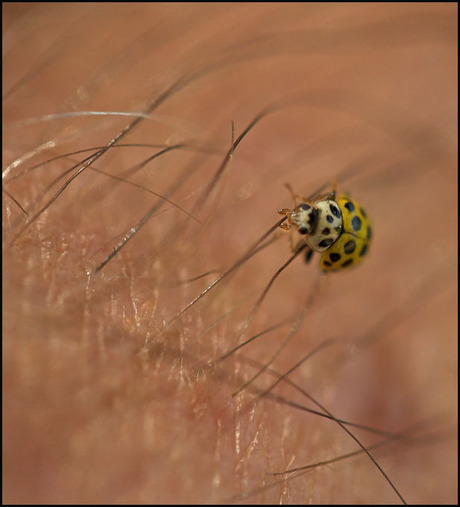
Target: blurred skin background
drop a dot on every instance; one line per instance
(103, 401)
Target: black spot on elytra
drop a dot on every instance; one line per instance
(334, 257)
(363, 213)
(356, 223)
(347, 263)
(304, 206)
(334, 210)
(327, 263)
(326, 243)
(363, 250)
(350, 206)
(303, 230)
(349, 246)
(330, 219)
(326, 231)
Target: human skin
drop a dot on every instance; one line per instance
(107, 396)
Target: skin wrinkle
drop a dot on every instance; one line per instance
(104, 403)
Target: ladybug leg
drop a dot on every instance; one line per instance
(315, 197)
(291, 243)
(308, 255)
(322, 196)
(287, 224)
(326, 196)
(302, 245)
(296, 197)
(284, 211)
(287, 227)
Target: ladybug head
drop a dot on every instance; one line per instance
(305, 218)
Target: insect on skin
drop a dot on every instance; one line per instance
(338, 228)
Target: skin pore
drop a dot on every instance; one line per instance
(111, 396)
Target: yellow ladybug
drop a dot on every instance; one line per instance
(337, 228)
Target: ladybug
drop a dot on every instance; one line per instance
(338, 228)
